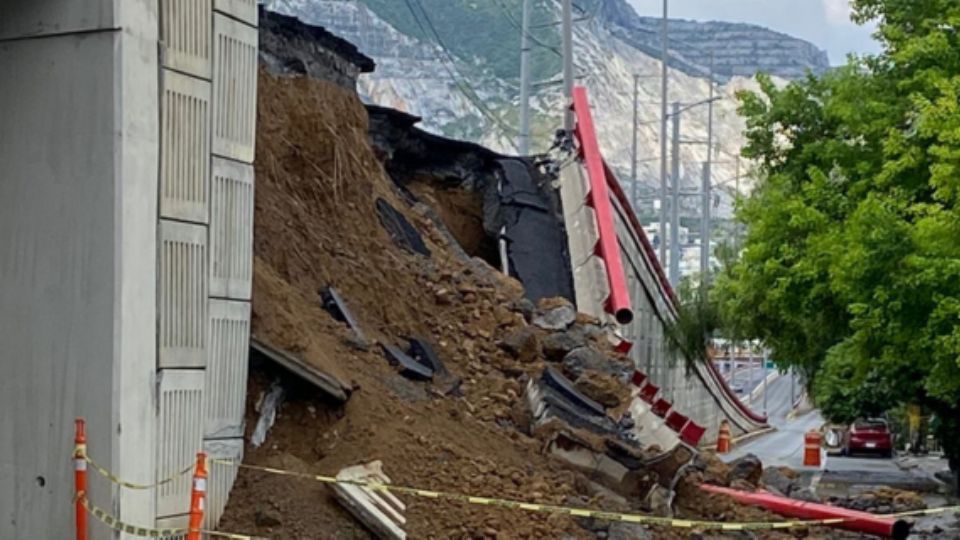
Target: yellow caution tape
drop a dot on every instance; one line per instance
(924, 512)
(148, 532)
(546, 508)
(503, 503)
(131, 485)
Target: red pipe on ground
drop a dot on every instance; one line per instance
(852, 520)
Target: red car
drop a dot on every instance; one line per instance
(872, 435)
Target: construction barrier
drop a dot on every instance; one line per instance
(199, 490)
(812, 441)
(723, 438)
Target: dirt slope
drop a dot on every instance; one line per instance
(318, 182)
(316, 225)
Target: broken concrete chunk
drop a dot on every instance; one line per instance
(334, 303)
(524, 307)
(775, 480)
(379, 511)
(523, 344)
(555, 314)
(400, 230)
(443, 381)
(747, 468)
(559, 344)
(554, 379)
(604, 389)
(423, 352)
(587, 358)
(409, 367)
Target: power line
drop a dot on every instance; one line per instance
(465, 88)
(530, 36)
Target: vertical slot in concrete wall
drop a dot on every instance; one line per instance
(226, 373)
(234, 89)
(182, 296)
(180, 436)
(185, 148)
(185, 35)
(231, 230)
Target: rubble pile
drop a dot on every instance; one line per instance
(462, 425)
(882, 500)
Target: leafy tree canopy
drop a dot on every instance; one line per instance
(850, 270)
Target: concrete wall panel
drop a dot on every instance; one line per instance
(182, 308)
(31, 18)
(57, 265)
(245, 10)
(185, 33)
(185, 149)
(221, 477)
(231, 230)
(135, 410)
(234, 89)
(179, 436)
(226, 373)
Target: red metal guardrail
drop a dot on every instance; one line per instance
(607, 248)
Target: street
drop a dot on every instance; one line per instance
(837, 476)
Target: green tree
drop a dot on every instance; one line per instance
(850, 270)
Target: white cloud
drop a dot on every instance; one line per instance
(837, 11)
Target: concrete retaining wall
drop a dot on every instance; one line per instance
(125, 249)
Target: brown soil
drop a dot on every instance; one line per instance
(316, 226)
(461, 212)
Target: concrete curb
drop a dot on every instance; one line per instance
(747, 437)
(763, 384)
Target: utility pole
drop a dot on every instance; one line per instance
(765, 382)
(675, 200)
(634, 188)
(664, 62)
(705, 188)
(736, 199)
(567, 12)
(523, 145)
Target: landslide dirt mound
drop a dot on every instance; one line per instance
(317, 226)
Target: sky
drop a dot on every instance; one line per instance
(825, 23)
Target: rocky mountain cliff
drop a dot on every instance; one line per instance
(738, 49)
(452, 63)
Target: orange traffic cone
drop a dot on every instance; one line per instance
(198, 496)
(80, 476)
(723, 438)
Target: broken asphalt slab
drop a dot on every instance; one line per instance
(337, 306)
(331, 387)
(409, 367)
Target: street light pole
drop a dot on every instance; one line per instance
(567, 12)
(664, 62)
(706, 187)
(634, 188)
(675, 200)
